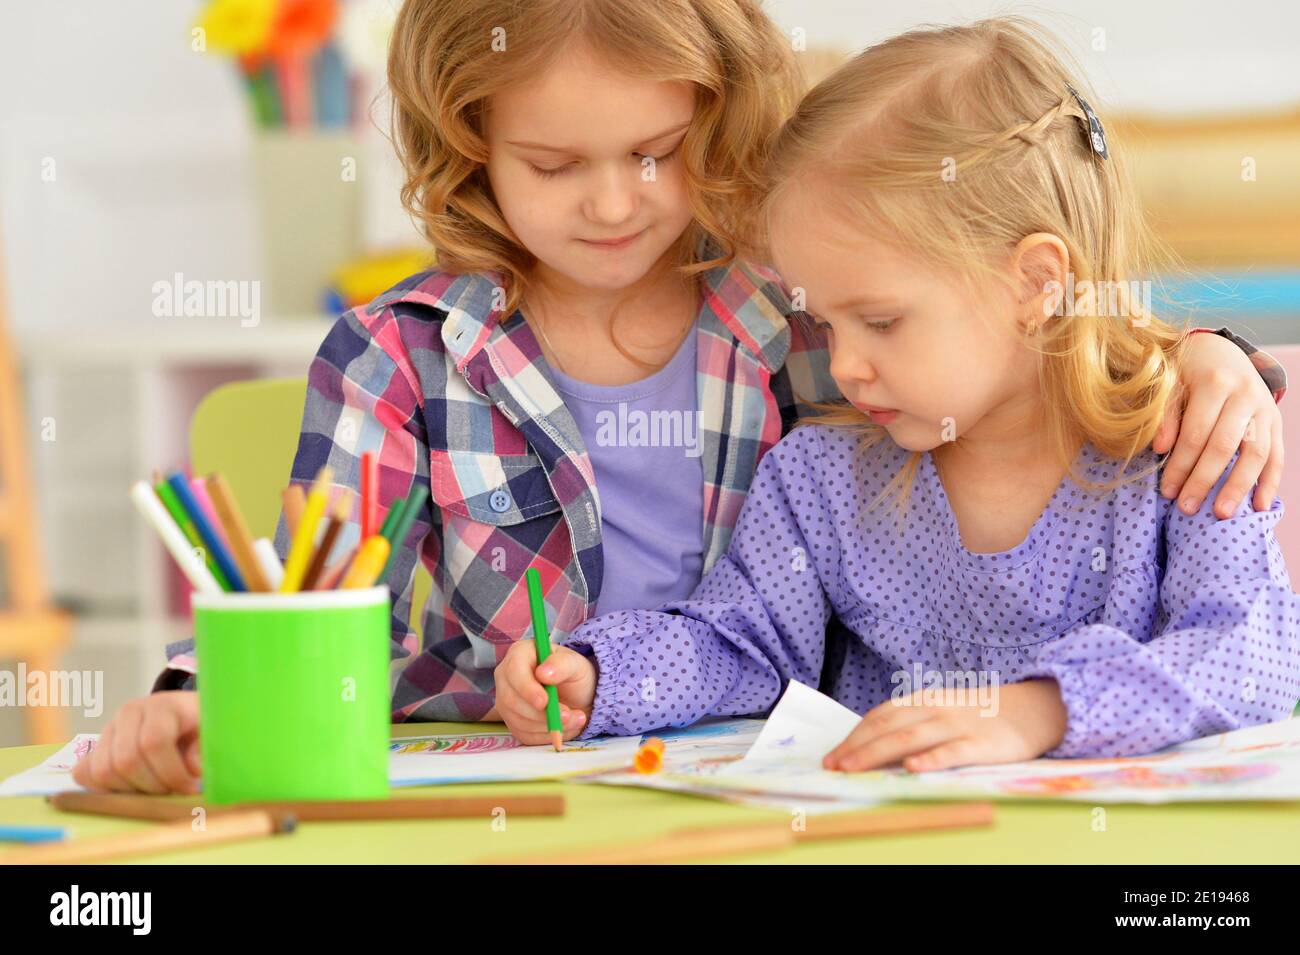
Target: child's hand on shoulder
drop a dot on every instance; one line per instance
(521, 691)
(150, 746)
(1028, 720)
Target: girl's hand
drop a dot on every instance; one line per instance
(150, 746)
(1029, 720)
(521, 691)
(1227, 406)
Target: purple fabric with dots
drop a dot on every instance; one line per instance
(1159, 627)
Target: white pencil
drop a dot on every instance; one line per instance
(265, 553)
(190, 563)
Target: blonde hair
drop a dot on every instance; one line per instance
(990, 104)
(442, 69)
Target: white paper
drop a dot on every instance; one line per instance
(697, 757)
(1254, 763)
(427, 760)
(54, 775)
(804, 726)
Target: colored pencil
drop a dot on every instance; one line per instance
(339, 515)
(269, 561)
(391, 518)
(410, 511)
(295, 501)
(200, 491)
(241, 542)
(165, 837)
(16, 833)
(542, 640)
(684, 844)
(329, 580)
(295, 565)
(132, 806)
(367, 565)
(182, 518)
(206, 531)
(369, 493)
(147, 503)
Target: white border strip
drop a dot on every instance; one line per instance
(298, 600)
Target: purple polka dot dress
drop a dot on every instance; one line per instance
(1158, 627)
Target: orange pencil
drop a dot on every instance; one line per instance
(241, 542)
(295, 502)
(369, 563)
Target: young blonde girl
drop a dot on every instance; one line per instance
(580, 169)
(931, 200)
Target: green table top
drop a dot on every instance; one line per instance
(1038, 832)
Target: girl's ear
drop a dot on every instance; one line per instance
(1040, 264)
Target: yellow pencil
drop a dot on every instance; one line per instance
(295, 566)
(367, 565)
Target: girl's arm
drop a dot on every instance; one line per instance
(1225, 651)
(756, 621)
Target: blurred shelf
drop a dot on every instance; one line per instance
(179, 341)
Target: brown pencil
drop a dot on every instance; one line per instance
(434, 807)
(338, 517)
(241, 542)
(333, 575)
(686, 844)
(165, 837)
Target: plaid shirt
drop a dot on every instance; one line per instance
(448, 391)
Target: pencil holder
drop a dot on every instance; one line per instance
(293, 694)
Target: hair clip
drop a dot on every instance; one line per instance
(1094, 132)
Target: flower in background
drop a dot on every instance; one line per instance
(238, 27)
(301, 26)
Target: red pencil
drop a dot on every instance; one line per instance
(369, 495)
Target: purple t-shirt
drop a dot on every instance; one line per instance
(644, 442)
(1159, 627)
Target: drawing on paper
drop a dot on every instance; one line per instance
(468, 745)
(453, 745)
(1139, 777)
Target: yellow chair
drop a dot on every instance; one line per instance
(248, 430)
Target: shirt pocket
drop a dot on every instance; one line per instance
(497, 489)
(486, 501)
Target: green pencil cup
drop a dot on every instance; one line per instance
(293, 694)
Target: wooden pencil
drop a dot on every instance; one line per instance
(241, 541)
(165, 837)
(329, 580)
(685, 844)
(432, 807)
(339, 514)
(295, 502)
(678, 846)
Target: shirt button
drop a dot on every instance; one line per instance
(500, 501)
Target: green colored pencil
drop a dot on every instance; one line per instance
(183, 520)
(542, 638)
(390, 520)
(401, 527)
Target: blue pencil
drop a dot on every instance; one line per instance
(206, 532)
(13, 833)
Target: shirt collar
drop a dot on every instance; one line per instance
(747, 299)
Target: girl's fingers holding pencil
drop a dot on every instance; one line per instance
(572, 674)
